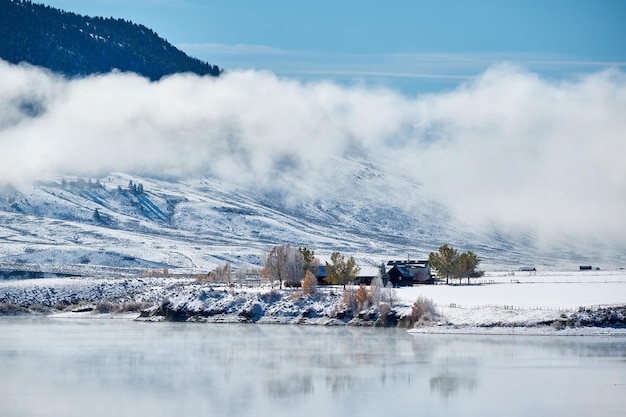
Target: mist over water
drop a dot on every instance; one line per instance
(508, 147)
(116, 367)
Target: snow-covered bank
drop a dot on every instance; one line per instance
(550, 302)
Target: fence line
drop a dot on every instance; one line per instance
(496, 306)
(508, 307)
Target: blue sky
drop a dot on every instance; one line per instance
(525, 104)
(411, 46)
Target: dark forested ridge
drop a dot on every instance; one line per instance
(74, 45)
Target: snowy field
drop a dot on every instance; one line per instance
(522, 299)
(524, 290)
(498, 300)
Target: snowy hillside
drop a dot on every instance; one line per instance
(134, 222)
(190, 172)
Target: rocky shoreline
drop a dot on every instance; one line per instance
(180, 300)
(274, 307)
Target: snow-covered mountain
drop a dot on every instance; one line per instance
(120, 220)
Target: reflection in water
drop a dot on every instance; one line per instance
(292, 386)
(340, 383)
(110, 367)
(447, 385)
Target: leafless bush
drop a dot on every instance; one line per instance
(39, 308)
(362, 298)
(423, 309)
(10, 309)
(376, 290)
(133, 306)
(309, 284)
(384, 309)
(105, 306)
(349, 299)
(271, 296)
(389, 295)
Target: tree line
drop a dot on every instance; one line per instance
(295, 267)
(450, 263)
(72, 44)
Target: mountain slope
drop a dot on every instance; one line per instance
(73, 45)
(129, 221)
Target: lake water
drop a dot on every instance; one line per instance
(74, 367)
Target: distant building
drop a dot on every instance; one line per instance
(321, 274)
(588, 268)
(366, 275)
(407, 273)
(401, 273)
(528, 269)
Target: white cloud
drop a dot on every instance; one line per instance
(507, 146)
(211, 49)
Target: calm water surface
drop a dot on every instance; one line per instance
(72, 367)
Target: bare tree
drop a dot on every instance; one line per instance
(376, 290)
(219, 274)
(390, 296)
(284, 264)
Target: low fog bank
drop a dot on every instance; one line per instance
(508, 149)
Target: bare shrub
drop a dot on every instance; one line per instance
(423, 309)
(295, 295)
(349, 299)
(271, 296)
(309, 283)
(105, 306)
(361, 297)
(389, 294)
(384, 309)
(133, 306)
(38, 308)
(10, 309)
(221, 274)
(376, 290)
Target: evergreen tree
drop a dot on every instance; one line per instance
(468, 262)
(445, 261)
(96, 216)
(308, 258)
(449, 263)
(72, 45)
